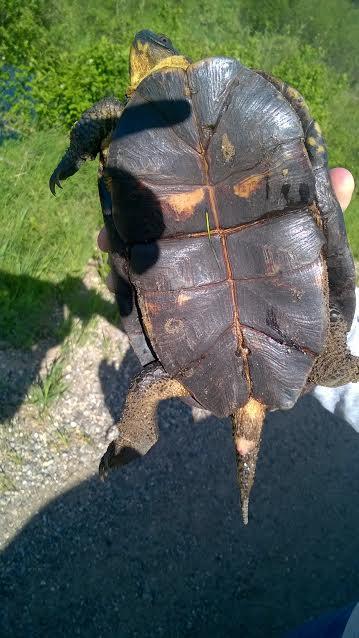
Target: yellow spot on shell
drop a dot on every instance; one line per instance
(182, 298)
(145, 310)
(183, 204)
(152, 307)
(248, 186)
(293, 93)
(174, 326)
(228, 149)
(321, 149)
(187, 92)
(312, 141)
(317, 127)
(108, 182)
(188, 373)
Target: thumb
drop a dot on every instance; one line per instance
(343, 185)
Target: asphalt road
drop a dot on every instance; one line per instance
(160, 550)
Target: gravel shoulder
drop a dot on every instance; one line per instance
(49, 445)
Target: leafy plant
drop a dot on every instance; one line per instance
(6, 483)
(50, 387)
(25, 30)
(62, 438)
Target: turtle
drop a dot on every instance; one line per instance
(235, 282)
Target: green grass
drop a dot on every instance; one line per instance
(62, 438)
(352, 224)
(43, 235)
(50, 387)
(46, 241)
(14, 457)
(6, 483)
(11, 455)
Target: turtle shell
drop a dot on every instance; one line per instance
(224, 237)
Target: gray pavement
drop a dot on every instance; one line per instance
(160, 549)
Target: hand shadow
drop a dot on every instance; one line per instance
(115, 383)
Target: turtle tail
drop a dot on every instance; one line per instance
(247, 431)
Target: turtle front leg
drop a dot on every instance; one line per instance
(89, 135)
(138, 426)
(247, 431)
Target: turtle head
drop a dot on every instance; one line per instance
(148, 50)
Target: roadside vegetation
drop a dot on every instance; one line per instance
(57, 58)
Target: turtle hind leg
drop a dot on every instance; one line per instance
(138, 425)
(335, 366)
(247, 431)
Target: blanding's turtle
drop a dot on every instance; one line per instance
(235, 281)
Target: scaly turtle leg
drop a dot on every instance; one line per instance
(335, 366)
(88, 137)
(138, 426)
(247, 431)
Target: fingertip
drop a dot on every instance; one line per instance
(343, 185)
(103, 240)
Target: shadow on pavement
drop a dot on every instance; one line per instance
(160, 550)
(115, 383)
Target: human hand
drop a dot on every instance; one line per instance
(342, 183)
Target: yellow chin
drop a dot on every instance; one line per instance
(141, 66)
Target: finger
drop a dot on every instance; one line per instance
(343, 185)
(103, 240)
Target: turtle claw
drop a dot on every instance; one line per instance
(69, 165)
(103, 468)
(118, 453)
(106, 461)
(54, 181)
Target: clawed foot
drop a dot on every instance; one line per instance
(68, 166)
(55, 180)
(118, 453)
